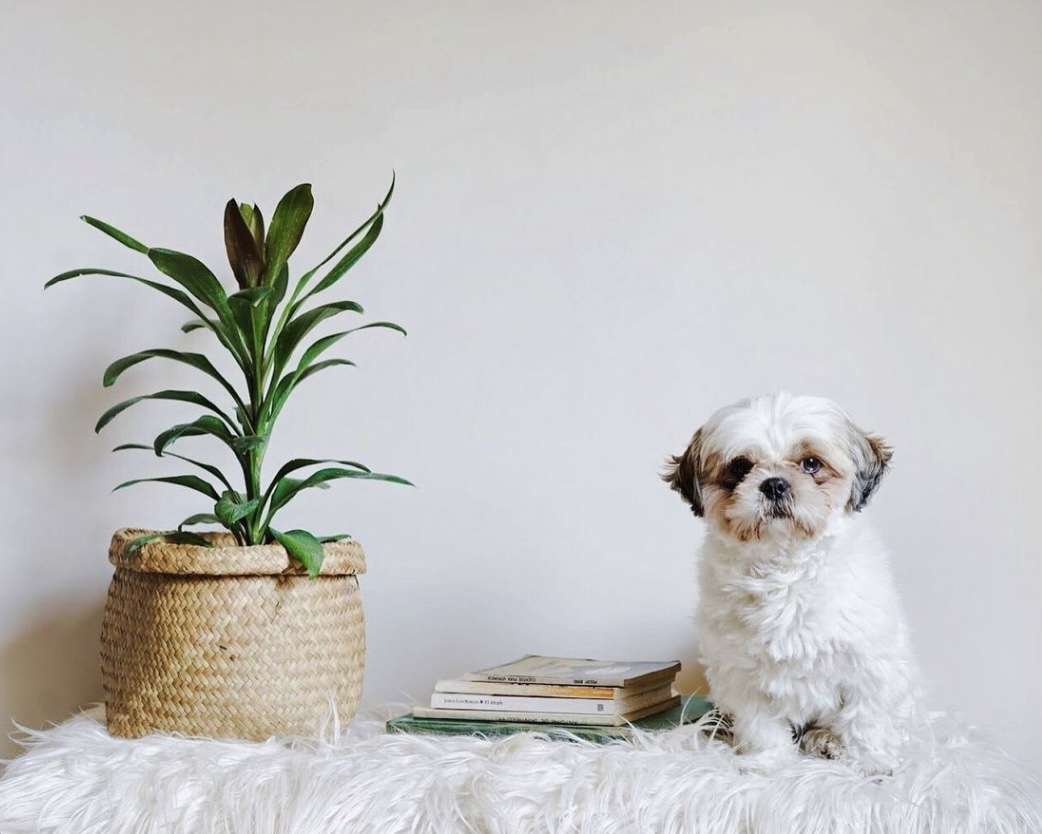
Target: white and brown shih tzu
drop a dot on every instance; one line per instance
(800, 628)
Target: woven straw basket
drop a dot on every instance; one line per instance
(230, 641)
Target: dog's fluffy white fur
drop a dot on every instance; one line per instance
(801, 631)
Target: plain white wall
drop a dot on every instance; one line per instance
(610, 220)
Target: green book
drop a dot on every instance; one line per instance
(690, 709)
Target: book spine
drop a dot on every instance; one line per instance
(540, 679)
(533, 689)
(520, 703)
(534, 717)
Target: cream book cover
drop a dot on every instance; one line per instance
(544, 669)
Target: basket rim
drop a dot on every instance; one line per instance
(226, 558)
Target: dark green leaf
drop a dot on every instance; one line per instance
(300, 463)
(196, 324)
(206, 467)
(254, 222)
(196, 360)
(353, 256)
(287, 227)
(232, 506)
(189, 481)
(323, 344)
(170, 292)
(287, 488)
(194, 276)
(221, 329)
(303, 324)
(115, 233)
(244, 256)
(278, 287)
(179, 396)
(365, 225)
(203, 425)
(290, 381)
(303, 547)
(321, 366)
(173, 537)
(249, 314)
(336, 537)
(199, 518)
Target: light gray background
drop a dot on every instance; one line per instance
(611, 219)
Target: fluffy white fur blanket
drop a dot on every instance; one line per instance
(76, 779)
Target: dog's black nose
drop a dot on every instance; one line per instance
(775, 488)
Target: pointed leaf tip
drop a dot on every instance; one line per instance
(303, 547)
(114, 233)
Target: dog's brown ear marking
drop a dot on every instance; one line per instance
(871, 457)
(682, 473)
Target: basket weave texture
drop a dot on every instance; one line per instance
(229, 641)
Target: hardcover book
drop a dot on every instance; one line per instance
(547, 690)
(570, 671)
(603, 719)
(524, 703)
(690, 710)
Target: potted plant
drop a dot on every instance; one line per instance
(255, 630)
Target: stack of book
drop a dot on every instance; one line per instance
(537, 691)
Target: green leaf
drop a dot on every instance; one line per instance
(321, 366)
(194, 276)
(304, 367)
(221, 329)
(303, 324)
(115, 233)
(199, 518)
(287, 227)
(254, 222)
(323, 344)
(292, 306)
(170, 292)
(203, 425)
(179, 396)
(189, 481)
(288, 384)
(287, 488)
(303, 547)
(206, 467)
(196, 360)
(244, 255)
(173, 537)
(353, 256)
(196, 324)
(278, 287)
(365, 225)
(336, 537)
(300, 463)
(232, 506)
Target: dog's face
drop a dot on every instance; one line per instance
(778, 466)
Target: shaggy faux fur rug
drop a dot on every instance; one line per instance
(76, 779)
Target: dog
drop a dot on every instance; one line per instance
(801, 631)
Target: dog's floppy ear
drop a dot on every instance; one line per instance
(871, 457)
(682, 473)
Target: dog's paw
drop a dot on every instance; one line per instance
(820, 742)
(718, 726)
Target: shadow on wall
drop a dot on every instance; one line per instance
(692, 677)
(50, 668)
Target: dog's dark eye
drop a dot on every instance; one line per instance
(735, 471)
(810, 465)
